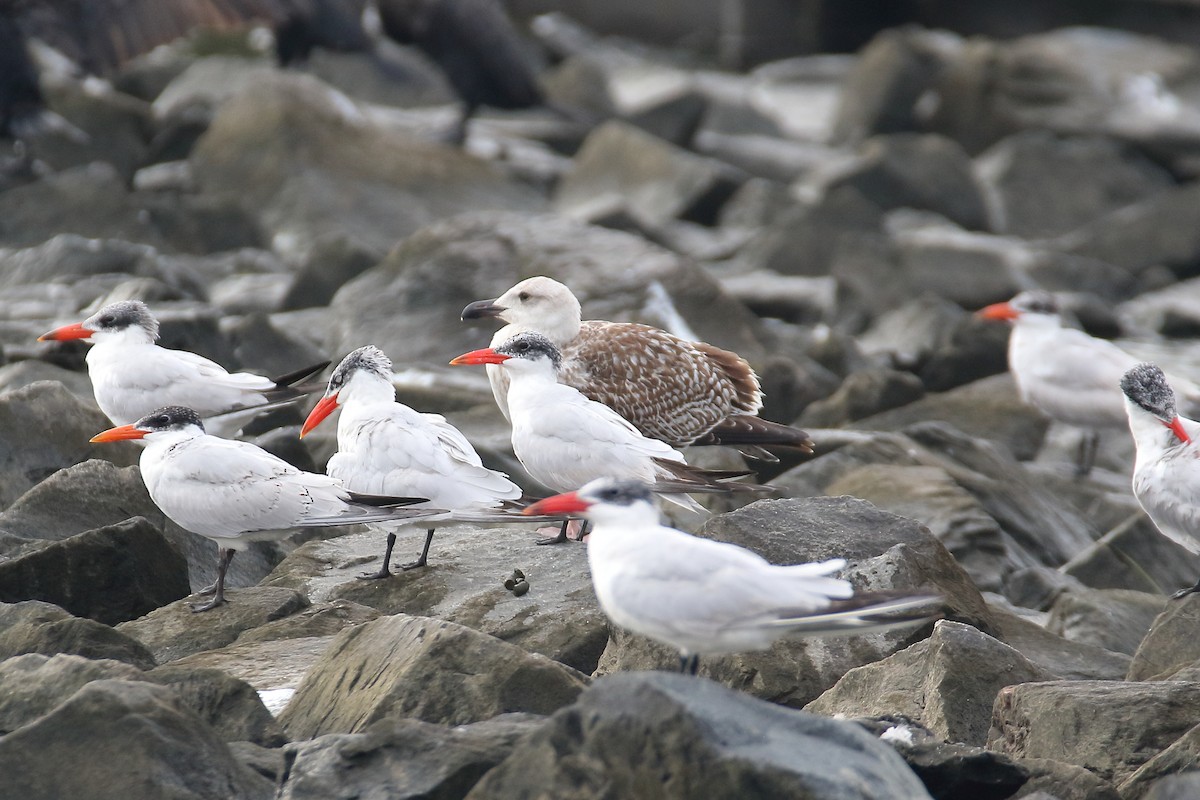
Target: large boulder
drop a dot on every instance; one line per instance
(1109, 727)
(427, 669)
(1180, 757)
(121, 739)
(403, 758)
(35, 684)
(652, 735)
(1170, 645)
(310, 164)
(110, 574)
(947, 683)
(1115, 619)
(37, 627)
(230, 705)
(44, 429)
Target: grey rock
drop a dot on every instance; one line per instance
(22, 373)
(291, 149)
(421, 668)
(46, 429)
(919, 171)
(863, 394)
(109, 574)
(332, 262)
(121, 739)
(1176, 787)
(622, 168)
(1152, 778)
(1109, 727)
(116, 125)
(262, 347)
(273, 667)
(1069, 660)
(68, 255)
(35, 684)
(1054, 779)
(1047, 185)
(477, 256)
(965, 267)
(559, 617)
(1157, 231)
(403, 758)
(231, 706)
(1115, 619)
(37, 627)
(319, 619)
(1170, 644)
(173, 631)
(947, 683)
(643, 735)
(1132, 554)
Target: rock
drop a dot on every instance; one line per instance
(231, 706)
(319, 619)
(672, 736)
(274, 667)
(620, 168)
(559, 617)
(932, 497)
(22, 373)
(881, 92)
(427, 669)
(965, 267)
(1170, 644)
(70, 255)
(918, 171)
(477, 256)
(1180, 757)
(1110, 728)
(173, 631)
(121, 739)
(47, 429)
(1175, 787)
(1134, 555)
(35, 684)
(332, 262)
(1069, 660)
(110, 574)
(1054, 779)
(116, 128)
(312, 165)
(947, 683)
(808, 239)
(37, 627)
(403, 758)
(1115, 619)
(863, 394)
(1045, 185)
(261, 346)
(1157, 231)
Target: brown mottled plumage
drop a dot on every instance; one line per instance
(671, 389)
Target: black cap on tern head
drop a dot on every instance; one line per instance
(1146, 386)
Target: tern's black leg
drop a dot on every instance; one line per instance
(224, 557)
(562, 535)
(584, 530)
(420, 562)
(1086, 457)
(1182, 593)
(384, 571)
(457, 135)
(689, 665)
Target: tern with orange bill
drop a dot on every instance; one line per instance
(671, 389)
(132, 376)
(1069, 375)
(704, 597)
(565, 440)
(235, 493)
(385, 447)
(1166, 472)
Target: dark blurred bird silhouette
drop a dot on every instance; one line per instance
(471, 40)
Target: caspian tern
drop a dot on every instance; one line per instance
(704, 597)
(565, 440)
(132, 376)
(387, 448)
(1166, 472)
(235, 493)
(671, 389)
(1070, 376)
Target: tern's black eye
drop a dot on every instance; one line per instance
(161, 421)
(523, 296)
(107, 320)
(612, 493)
(521, 347)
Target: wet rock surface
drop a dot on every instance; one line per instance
(834, 218)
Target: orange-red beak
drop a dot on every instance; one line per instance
(119, 433)
(485, 356)
(998, 311)
(569, 503)
(320, 411)
(75, 331)
(1177, 428)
